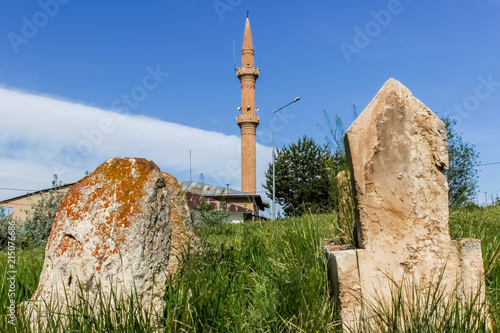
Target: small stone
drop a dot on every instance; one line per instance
(343, 274)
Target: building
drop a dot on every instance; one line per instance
(241, 206)
(20, 207)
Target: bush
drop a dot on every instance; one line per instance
(4, 231)
(206, 216)
(36, 229)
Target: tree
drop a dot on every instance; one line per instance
(36, 229)
(462, 173)
(302, 178)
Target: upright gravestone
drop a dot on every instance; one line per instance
(112, 234)
(397, 151)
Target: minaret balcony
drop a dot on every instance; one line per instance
(247, 118)
(247, 71)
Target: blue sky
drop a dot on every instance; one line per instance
(64, 64)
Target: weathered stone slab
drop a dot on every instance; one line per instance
(397, 150)
(472, 267)
(397, 154)
(112, 232)
(343, 273)
(184, 235)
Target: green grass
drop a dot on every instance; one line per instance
(413, 310)
(254, 277)
(28, 266)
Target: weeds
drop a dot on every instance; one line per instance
(254, 277)
(260, 277)
(411, 309)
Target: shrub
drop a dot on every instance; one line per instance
(206, 216)
(36, 229)
(4, 232)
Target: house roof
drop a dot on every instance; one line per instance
(213, 191)
(37, 192)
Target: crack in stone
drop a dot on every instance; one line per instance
(72, 237)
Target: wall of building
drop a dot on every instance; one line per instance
(21, 207)
(236, 217)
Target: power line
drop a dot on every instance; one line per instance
(488, 163)
(15, 189)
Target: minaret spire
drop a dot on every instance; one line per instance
(247, 55)
(247, 120)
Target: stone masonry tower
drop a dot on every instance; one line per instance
(247, 120)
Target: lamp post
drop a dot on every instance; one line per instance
(273, 212)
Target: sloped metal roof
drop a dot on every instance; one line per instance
(212, 190)
(57, 188)
(207, 190)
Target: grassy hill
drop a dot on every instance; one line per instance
(255, 277)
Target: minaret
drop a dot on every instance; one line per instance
(247, 120)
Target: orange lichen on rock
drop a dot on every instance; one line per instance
(113, 225)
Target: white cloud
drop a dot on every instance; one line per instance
(40, 136)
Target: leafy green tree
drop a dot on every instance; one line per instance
(36, 229)
(462, 173)
(302, 178)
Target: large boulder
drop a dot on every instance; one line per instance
(112, 232)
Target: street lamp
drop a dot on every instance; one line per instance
(274, 157)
